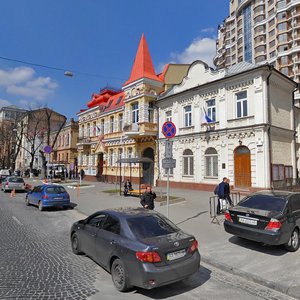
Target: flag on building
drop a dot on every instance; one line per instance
(205, 119)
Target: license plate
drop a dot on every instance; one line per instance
(58, 198)
(176, 255)
(248, 221)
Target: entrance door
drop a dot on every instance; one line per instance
(242, 167)
(148, 171)
(100, 167)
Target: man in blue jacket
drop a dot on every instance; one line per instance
(221, 193)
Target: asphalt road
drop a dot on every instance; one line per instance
(36, 262)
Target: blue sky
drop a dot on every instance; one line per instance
(97, 40)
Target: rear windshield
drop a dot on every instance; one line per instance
(16, 180)
(151, 226)
(264, 202)
(55, 190)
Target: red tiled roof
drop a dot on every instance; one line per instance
(142, 66)
(101, 98)
(114, 102)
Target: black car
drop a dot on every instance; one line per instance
(270, 217)
(138, 247)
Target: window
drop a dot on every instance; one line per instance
(168, 116)
(135, 112)
(120, 122)
(211, 162)
(129, 152)
(111, 224)
(187, 116)
(102, 126)
(282, 26)
(282, 38)
(111, 157)
(211, 109)
(151, 226)
(94, 129)
(188, 163)
(88, 130)
(96, 220)
(151, 112)
(111, 127)
(120, 153)
(241, 104)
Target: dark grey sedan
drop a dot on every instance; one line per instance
(138, 247)
(269, 217)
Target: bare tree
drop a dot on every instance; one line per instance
(36, 127)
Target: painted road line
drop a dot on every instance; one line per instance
(17, 220)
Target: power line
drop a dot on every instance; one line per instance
(67, 71)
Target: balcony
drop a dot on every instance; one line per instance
(84, 140)
(140, 129)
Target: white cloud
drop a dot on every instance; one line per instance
(208, 30)
(21, 81)
(200, 49)
(4, 103)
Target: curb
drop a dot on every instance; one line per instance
(248, 276)
(81, 187)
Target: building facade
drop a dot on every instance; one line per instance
(259, 32)
(9, 116)
(234, 122)
(65, 148)
(123, 123)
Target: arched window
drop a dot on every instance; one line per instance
(188, 163)
(211, 162)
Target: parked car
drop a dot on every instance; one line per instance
(13, 183)
(138, 247)
(4, 173)
(270, 217)
(48, 196)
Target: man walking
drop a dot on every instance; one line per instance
(147, 199)
(221, 193)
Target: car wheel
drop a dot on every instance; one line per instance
(118, 275)
(41, 205)
(27, 201)
(293, 243)
(75, 244)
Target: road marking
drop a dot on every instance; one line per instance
(17, 220)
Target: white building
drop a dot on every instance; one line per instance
(251, 138)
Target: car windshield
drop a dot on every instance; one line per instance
(55, 190)
(264, 202)
(151, 226)
(16, 180)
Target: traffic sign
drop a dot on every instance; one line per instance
(168, 163)
(169, 129)
(47, 149)
(169, 149)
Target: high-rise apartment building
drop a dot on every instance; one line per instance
(259, 32)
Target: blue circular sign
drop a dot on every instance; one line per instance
(48, 149)
(169, 129)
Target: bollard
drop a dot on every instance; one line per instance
(78, 190)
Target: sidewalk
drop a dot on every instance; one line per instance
(268, 265)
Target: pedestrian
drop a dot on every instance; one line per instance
(81, 174)
(127, 187)
(227, 191)
(221, 194)
(147, 199)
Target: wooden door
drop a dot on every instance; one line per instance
(242, 167)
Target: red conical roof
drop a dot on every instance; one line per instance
(142, 66)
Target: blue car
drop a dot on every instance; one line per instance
(48, 196)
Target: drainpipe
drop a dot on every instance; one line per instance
(295, 173)
(269, 119)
